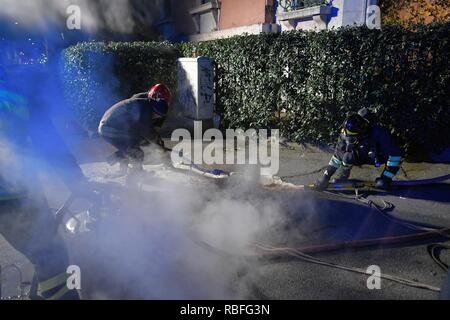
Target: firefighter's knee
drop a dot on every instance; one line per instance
(349, 159)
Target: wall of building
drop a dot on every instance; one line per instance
(238, 13)
(254, 16)
(354, 12)
(184, 25)
(226, 33)
(336, 20)
(343, 13)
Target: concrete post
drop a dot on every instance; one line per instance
(196, 88)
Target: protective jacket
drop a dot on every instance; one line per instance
(131, 119)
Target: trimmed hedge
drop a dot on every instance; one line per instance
(97, 74)
(304, 83)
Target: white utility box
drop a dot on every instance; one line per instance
(196, 87)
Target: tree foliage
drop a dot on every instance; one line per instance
(409, 13)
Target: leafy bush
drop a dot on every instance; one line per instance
(305, 83)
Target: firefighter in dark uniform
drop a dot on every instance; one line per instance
(26, 221)
(363, 142)
(133, 123)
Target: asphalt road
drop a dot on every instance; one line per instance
(182, 236)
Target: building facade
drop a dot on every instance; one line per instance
(321, 14)
(201, 20)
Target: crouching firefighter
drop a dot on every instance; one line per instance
(363, 142)
(27, 136)
(133, 123)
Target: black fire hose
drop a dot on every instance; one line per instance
(435, 252)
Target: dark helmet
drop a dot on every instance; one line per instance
(355, 125)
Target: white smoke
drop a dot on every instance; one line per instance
(179, 237)
(110, 15)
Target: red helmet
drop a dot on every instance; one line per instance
(160, 92)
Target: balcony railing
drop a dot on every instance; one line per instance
(292, 5)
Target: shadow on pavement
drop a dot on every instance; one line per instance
(438, 193)
(326, 220)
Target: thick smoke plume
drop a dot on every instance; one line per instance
(117, 16)
(175, 237)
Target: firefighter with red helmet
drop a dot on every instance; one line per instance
(135, 122)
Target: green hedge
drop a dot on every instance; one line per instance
(96, 75)
(304, 83)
